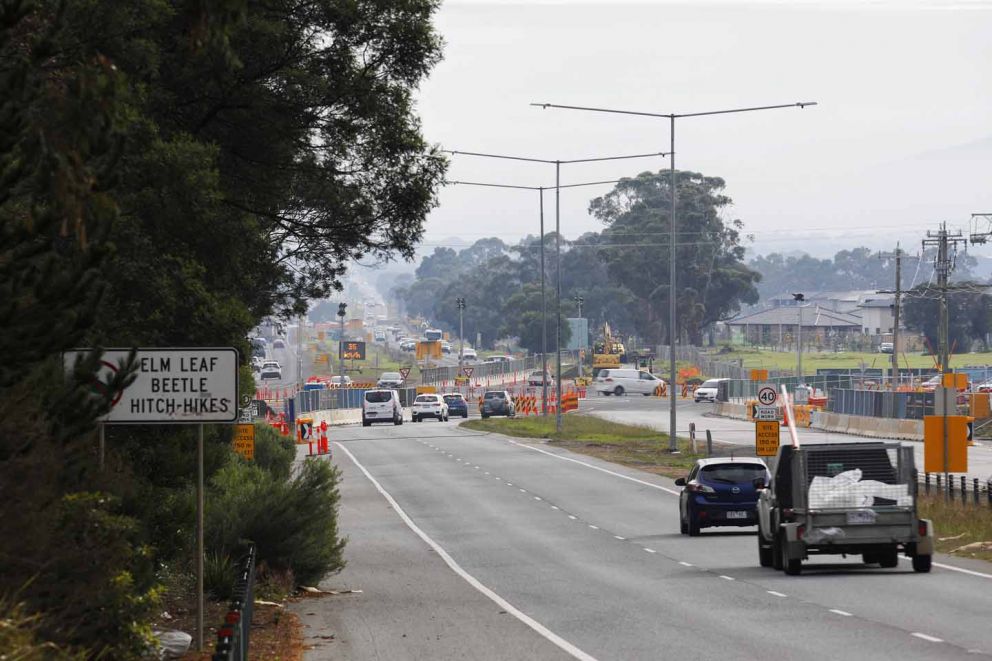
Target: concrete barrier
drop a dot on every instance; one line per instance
(335, 417)
(860, 425)
(731, 410)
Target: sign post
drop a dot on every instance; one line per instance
(181, 385)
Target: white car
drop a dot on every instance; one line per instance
(622, 381)
(381, 406)
(707, 390)
(537, 379)
(429, 406)
(270, 370)
(341, 381)
(469, 354)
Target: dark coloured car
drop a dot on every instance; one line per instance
(720, 492)
(456, 404)
(497, 402)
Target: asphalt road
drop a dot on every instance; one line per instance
(653, 412)
(470, 545)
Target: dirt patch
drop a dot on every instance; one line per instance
(276, 633)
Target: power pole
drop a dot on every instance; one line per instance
(799, 298)
(943, 265)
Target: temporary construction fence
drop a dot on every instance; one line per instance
(233, 635)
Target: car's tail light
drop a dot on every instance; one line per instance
(922, 526)
(800, 532)
(696, 487)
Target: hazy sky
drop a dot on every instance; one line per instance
(901, 139)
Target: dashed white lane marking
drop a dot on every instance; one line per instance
(594, 527)
(573, 518)
(487, 472)
(538, 498)
(554, 507)
(551, 636)
(650, 550)
(727, 578)
(523, 491)
(619, 537)
(601, 470)
(923, 636)
(685, 564)
(775, 594)
(840, 612)
(509, 484)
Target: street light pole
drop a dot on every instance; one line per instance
(461, 331)
(544, 321)
(799, 298)
(342, 311)
(544, 378)
(672, 331)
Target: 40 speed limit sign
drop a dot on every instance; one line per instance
(767, 395)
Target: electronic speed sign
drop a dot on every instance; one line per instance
(353, 350)
(767, 395)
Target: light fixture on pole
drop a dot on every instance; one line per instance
(672, 329)
(558, 187)
(799, 299)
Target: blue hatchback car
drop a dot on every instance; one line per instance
(456, 404)
(720, 492)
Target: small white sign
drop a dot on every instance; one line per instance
(766, 413)
(800, 395)
(176, 385)
(767, 395)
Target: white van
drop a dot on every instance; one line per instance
(622, 381)
(381, 406)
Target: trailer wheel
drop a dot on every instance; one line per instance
(777, 552)
(889, 558)
(764, 552)
(921, 563)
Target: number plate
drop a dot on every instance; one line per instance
(858, 517)
(736, 515)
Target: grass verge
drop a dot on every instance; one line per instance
(958, 525)
(629, 445)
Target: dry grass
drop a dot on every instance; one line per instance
(629, 445)
(966, 524)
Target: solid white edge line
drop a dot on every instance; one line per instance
(649, 550)
(539, 628)
(840, 612)
(602, 470)
(774, 593)
(727, 578)
(686, 564)
(923, 636)
(676, 493)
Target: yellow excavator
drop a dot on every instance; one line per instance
(608, 350)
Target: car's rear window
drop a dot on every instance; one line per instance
(712, 383)
(495, 395)
(453, 398)
(426, 398)
(733, 473)
(378, 396)
(390, 376)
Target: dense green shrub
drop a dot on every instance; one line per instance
(293, 523)
(218, 576)
(19, 639)
(274, 452)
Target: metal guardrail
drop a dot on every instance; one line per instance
(233, 634)
(436, 375)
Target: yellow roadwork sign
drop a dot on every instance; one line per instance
(957, 444)
(766, 438)
(244, 441)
